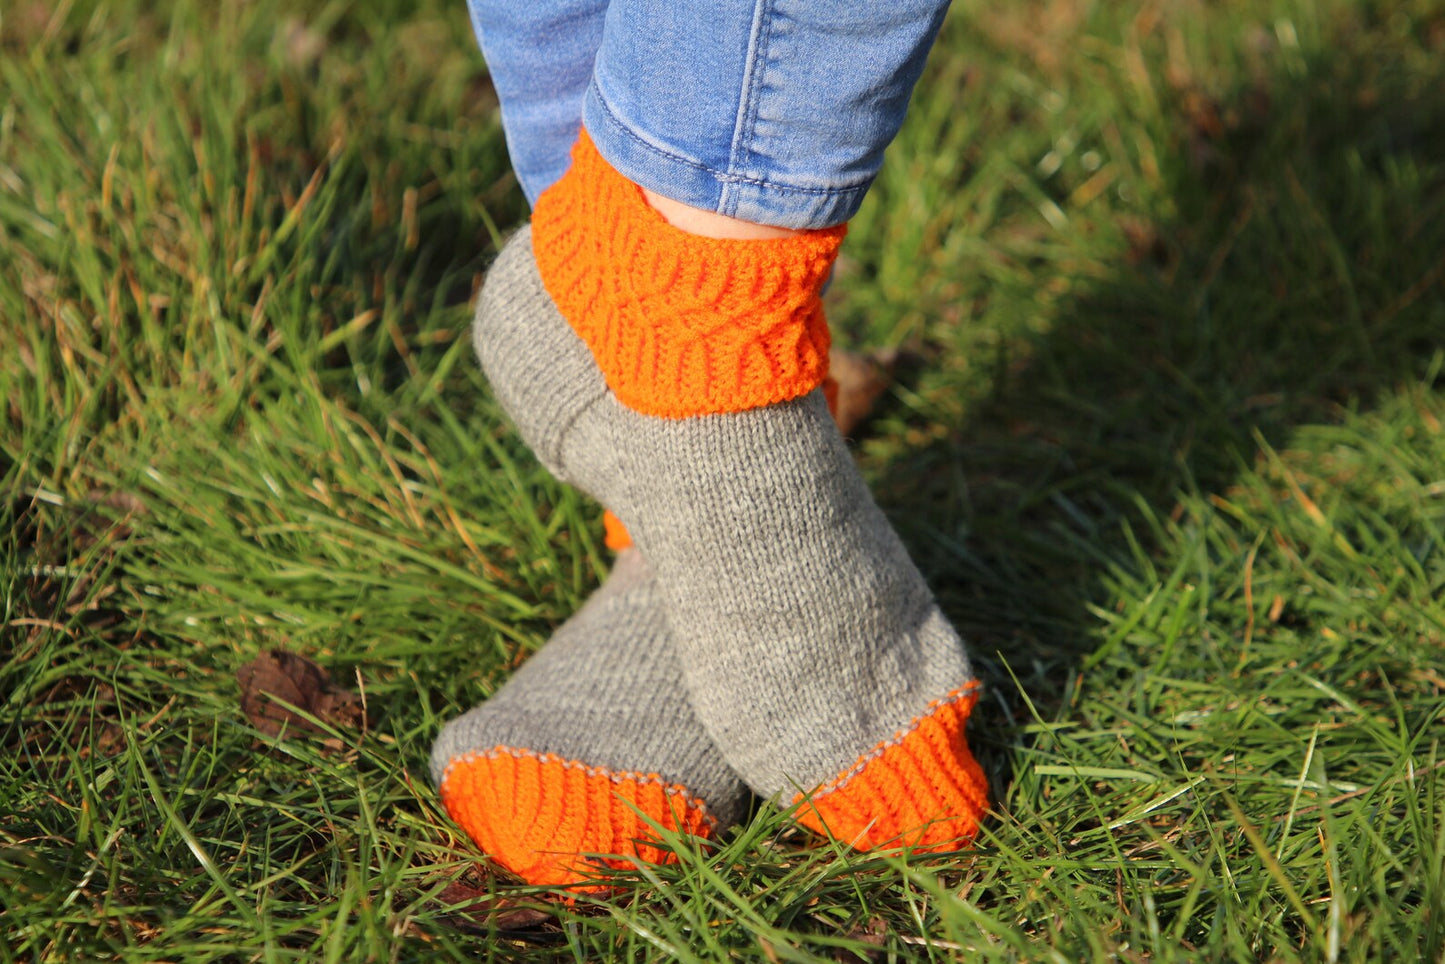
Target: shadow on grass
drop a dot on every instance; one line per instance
(1303, 277)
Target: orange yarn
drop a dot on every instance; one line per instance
(921, 789)
(614, 534)
(681, 324)
(536, 814)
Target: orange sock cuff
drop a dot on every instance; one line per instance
(920, 789)
(538, 815)
(680, 324)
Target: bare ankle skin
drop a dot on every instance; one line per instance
(709, 224)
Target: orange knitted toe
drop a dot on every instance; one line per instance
(921, 789)
(681, 324)
(538, 815)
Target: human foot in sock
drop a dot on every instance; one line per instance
(813, 651)
(593, 729)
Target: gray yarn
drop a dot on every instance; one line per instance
(805, 634)
(606, 690)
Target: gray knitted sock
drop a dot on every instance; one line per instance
(813, 652)
(593, 728)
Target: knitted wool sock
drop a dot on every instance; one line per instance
(593, 729)
(615, 534)
(684, 394)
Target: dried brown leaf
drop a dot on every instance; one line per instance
(277, 678)
(861, 379)
(476, 909)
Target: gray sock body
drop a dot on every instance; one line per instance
(806, 636)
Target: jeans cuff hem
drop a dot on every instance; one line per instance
(677, 177)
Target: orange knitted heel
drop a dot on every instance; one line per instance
(538, 815)
(680, 324)
(614, 534)
(921, 789)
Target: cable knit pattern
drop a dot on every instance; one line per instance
(679, 324)
(538, 815)
(923, 782)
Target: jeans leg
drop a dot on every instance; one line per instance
(540, 54)
(772, 111)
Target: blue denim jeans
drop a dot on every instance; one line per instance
(773, 111)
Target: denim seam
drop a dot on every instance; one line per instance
(748, 100)
(721, 176)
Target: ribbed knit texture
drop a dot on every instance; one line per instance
(923, 782)
(679, 324)
(538, 814)
(812, 650)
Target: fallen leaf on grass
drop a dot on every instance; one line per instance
(475, 909)
(278, 675)
(861, 379)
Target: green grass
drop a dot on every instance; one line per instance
(1168, 444)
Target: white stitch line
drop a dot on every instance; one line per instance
(846, 777)
(671, 789)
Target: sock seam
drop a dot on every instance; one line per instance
(560, 443)
(840, 781)
(566, 429)
(616, 776)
